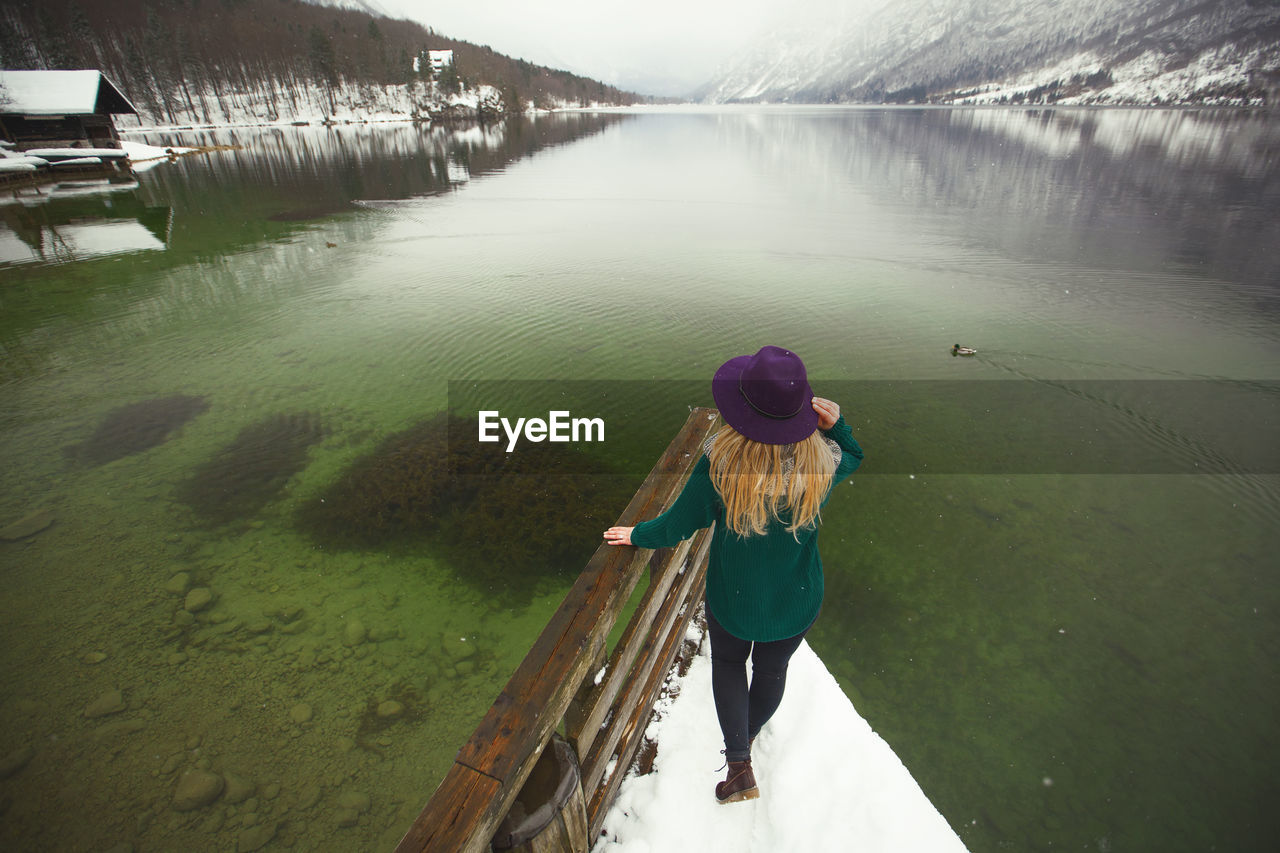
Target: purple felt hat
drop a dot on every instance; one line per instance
(766, 396)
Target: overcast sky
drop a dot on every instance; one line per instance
(664, 47)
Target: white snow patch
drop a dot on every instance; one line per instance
(827, 781)
(64, 153)
(1146, 79)
(143, 157)
(77, 161)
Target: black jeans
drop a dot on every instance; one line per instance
(743, 710)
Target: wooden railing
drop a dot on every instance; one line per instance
(603, 718)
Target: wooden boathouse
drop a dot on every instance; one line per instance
(60, 109)
(547, 760)
(58, 122)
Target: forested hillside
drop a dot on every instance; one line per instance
(195, 60)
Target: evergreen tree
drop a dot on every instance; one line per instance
(448, 79)
(324, 61)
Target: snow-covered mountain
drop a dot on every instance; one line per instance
(1066, 51)
(368, 6)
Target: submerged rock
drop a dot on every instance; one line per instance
(289, 614)
(137, 427)
(196, 788)
(354, 633)
(308, 797)
(457, 648)
(108, 731)
(238, 789)
(111, 702)
(357, 800)
(198, 599)
(212, 824)
(256, 837)
(178, 584)
(15, 761)
(28, 525)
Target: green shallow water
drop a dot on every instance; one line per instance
(1063, 660)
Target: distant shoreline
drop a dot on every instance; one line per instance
(688, 108)
(756, 107)
(321, 122)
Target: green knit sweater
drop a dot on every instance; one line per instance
(760, 588)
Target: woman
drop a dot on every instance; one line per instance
(762, 479)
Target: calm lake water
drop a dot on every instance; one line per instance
(230, 378)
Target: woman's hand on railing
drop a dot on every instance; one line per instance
(618, 535)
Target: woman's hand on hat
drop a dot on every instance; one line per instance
(618, 535)
(828, 412)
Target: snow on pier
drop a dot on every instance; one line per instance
(827, 781)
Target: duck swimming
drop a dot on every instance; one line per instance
(959, 350)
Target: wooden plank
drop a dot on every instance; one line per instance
(583, 620)
(565, 834)
(574, 815)
(508, 739)
(595, 760)
(457, 803)
(518, 720)
(633, 733)
(582, 732)
(577, 710)
(649, 660)
(632, 715)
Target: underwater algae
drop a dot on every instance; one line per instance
(399, 489)
(251, 471)
(507, 521)
(137, 427)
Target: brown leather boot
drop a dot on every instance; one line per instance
(739, 785)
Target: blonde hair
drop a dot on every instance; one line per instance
(759, 482)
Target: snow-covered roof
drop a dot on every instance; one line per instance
(60, 93)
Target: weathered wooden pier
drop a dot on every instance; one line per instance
(600, 700)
